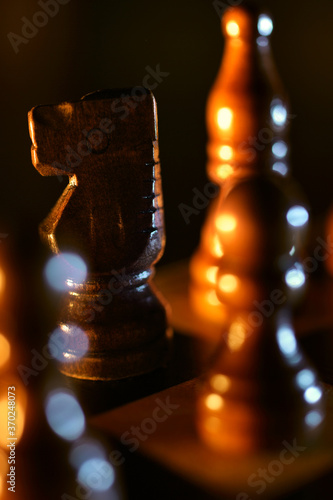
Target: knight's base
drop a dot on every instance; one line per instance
(121, 364)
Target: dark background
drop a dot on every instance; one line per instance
(97, 44)
(94, 44)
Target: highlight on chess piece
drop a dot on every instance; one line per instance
(260, 389)
(247, 119)
(107, 231)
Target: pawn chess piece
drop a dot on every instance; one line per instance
(260, 390)
(247, 120)
(111, 215)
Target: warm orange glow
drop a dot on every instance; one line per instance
(217, 248)
(3, 470)
(231, 120)
(220, 383)
(229, 430)
(237, 336)
(224, 171)
(2, 280)
(214, 402)
(224, 118)
(206, 305)
(226, 223)
(226, 152)
(4, 350)
(212, 424)
(202, 294)
(232, 28)
(20, 410)
(212, 298)
(211, 274)
(228, 283)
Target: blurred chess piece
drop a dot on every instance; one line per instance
(107, 230)
(247, 121)
(13, 393)
(42, 424)
(260, 390)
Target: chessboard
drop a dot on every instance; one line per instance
(170, 450)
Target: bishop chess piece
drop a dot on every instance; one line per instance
(114, 323)
(260, 390)
(247, 120)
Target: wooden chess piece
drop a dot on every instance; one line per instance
(111, 215)
(247, 120)
(260, 390)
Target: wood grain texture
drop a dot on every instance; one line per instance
(111, 215)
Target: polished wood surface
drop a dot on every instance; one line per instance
(174, 445)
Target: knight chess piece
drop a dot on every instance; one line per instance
(260, 389)
(111, 216)
(247, 119)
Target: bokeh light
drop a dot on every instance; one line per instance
(297, 216)
(314, 418)
(236, 336)
(313, 394)
(305, 378)
(279, 113)
(295, 277)
(64, 415)
(220, 383)
(286, 340)
(212, 298)
(65, 269)
(214, 402)
(63, 337)
(226, 223)
(280, 167)
(232, 29)
(265, 25)
(280, 149)
(228, 283)
(226, 152)
(211, 274)
(224, 171)
(96, 474)
(224, 118)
